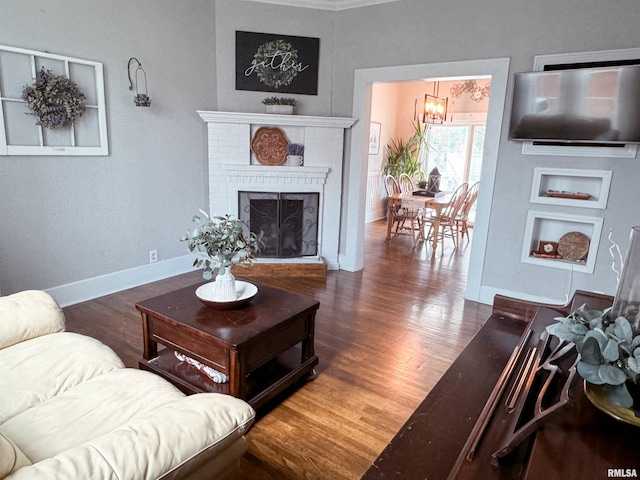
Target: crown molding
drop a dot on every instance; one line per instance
(333, 5)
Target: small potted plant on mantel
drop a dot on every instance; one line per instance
(219, 242)
(282, 105)
(295, 154)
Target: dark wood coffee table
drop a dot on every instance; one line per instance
(263, 347)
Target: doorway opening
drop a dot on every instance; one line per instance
(354, 198)
(454, 146)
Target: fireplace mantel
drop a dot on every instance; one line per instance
(233, 167)
(275, 119)
(275, 175)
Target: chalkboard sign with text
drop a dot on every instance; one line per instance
(277, 63)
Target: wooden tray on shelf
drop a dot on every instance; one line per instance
(571, 195)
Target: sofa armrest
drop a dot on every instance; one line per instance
(193, 429)
(28, 314)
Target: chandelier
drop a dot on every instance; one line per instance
(435, 108)
(476, 92)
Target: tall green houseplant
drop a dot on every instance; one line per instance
(406, 156)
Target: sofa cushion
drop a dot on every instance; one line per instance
(127, 424)
(35, 370)
(28, 314)
(87, 410)
(11, 458)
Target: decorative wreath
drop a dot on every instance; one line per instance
(276, 63)
(54, 99)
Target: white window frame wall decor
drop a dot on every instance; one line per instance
(540, 61)
(594, 182)
(67, 148)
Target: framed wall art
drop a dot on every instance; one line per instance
(374, 138)
(268, 62)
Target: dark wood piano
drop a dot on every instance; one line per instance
(463, 430)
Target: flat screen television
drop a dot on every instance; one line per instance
(598, 105)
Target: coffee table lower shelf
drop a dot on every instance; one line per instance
(263, 383)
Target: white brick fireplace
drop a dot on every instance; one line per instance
(233, 167)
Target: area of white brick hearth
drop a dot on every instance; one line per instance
(233, 167)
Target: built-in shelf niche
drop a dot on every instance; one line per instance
(294, 134)
(593, 182)
(550, 227)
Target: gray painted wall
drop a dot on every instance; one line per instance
(232, 15)
(418, 32)
(67, 219)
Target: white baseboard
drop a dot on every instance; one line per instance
(487, 294)
(375, 215)
(95, 287)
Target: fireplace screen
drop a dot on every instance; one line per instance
(288, 222)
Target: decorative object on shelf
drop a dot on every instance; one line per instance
(547, 250)
(295, 154)
(277, 63)
(219, 242)
(269, 145)
(141, 99)
(573, 246)
(571, 195)
(55, 100)
(471, 87)
(435, 108)
(609, 352)
(281, 105)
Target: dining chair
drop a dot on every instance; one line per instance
(406, 184)
(447, 225)
(463, 215)
(407, 221)
(391, 185)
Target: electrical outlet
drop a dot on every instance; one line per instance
(153, 256)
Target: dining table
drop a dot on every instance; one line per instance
(436, 203)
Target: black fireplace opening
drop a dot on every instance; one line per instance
(288, 222)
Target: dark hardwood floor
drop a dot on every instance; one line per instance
(384, 336)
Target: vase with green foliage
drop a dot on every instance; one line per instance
(608, 350)
(219, 243)
(406, 156)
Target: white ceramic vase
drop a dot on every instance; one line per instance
(281, 109)
(225, 286)
(296, 160)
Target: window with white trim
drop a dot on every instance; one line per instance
(456, 150)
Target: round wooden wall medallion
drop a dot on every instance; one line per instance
(269, 144)
(573, 246)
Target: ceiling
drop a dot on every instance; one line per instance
(327, 4)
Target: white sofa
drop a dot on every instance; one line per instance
(69, 409)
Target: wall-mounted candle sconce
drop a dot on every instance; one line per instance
(141, 99)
